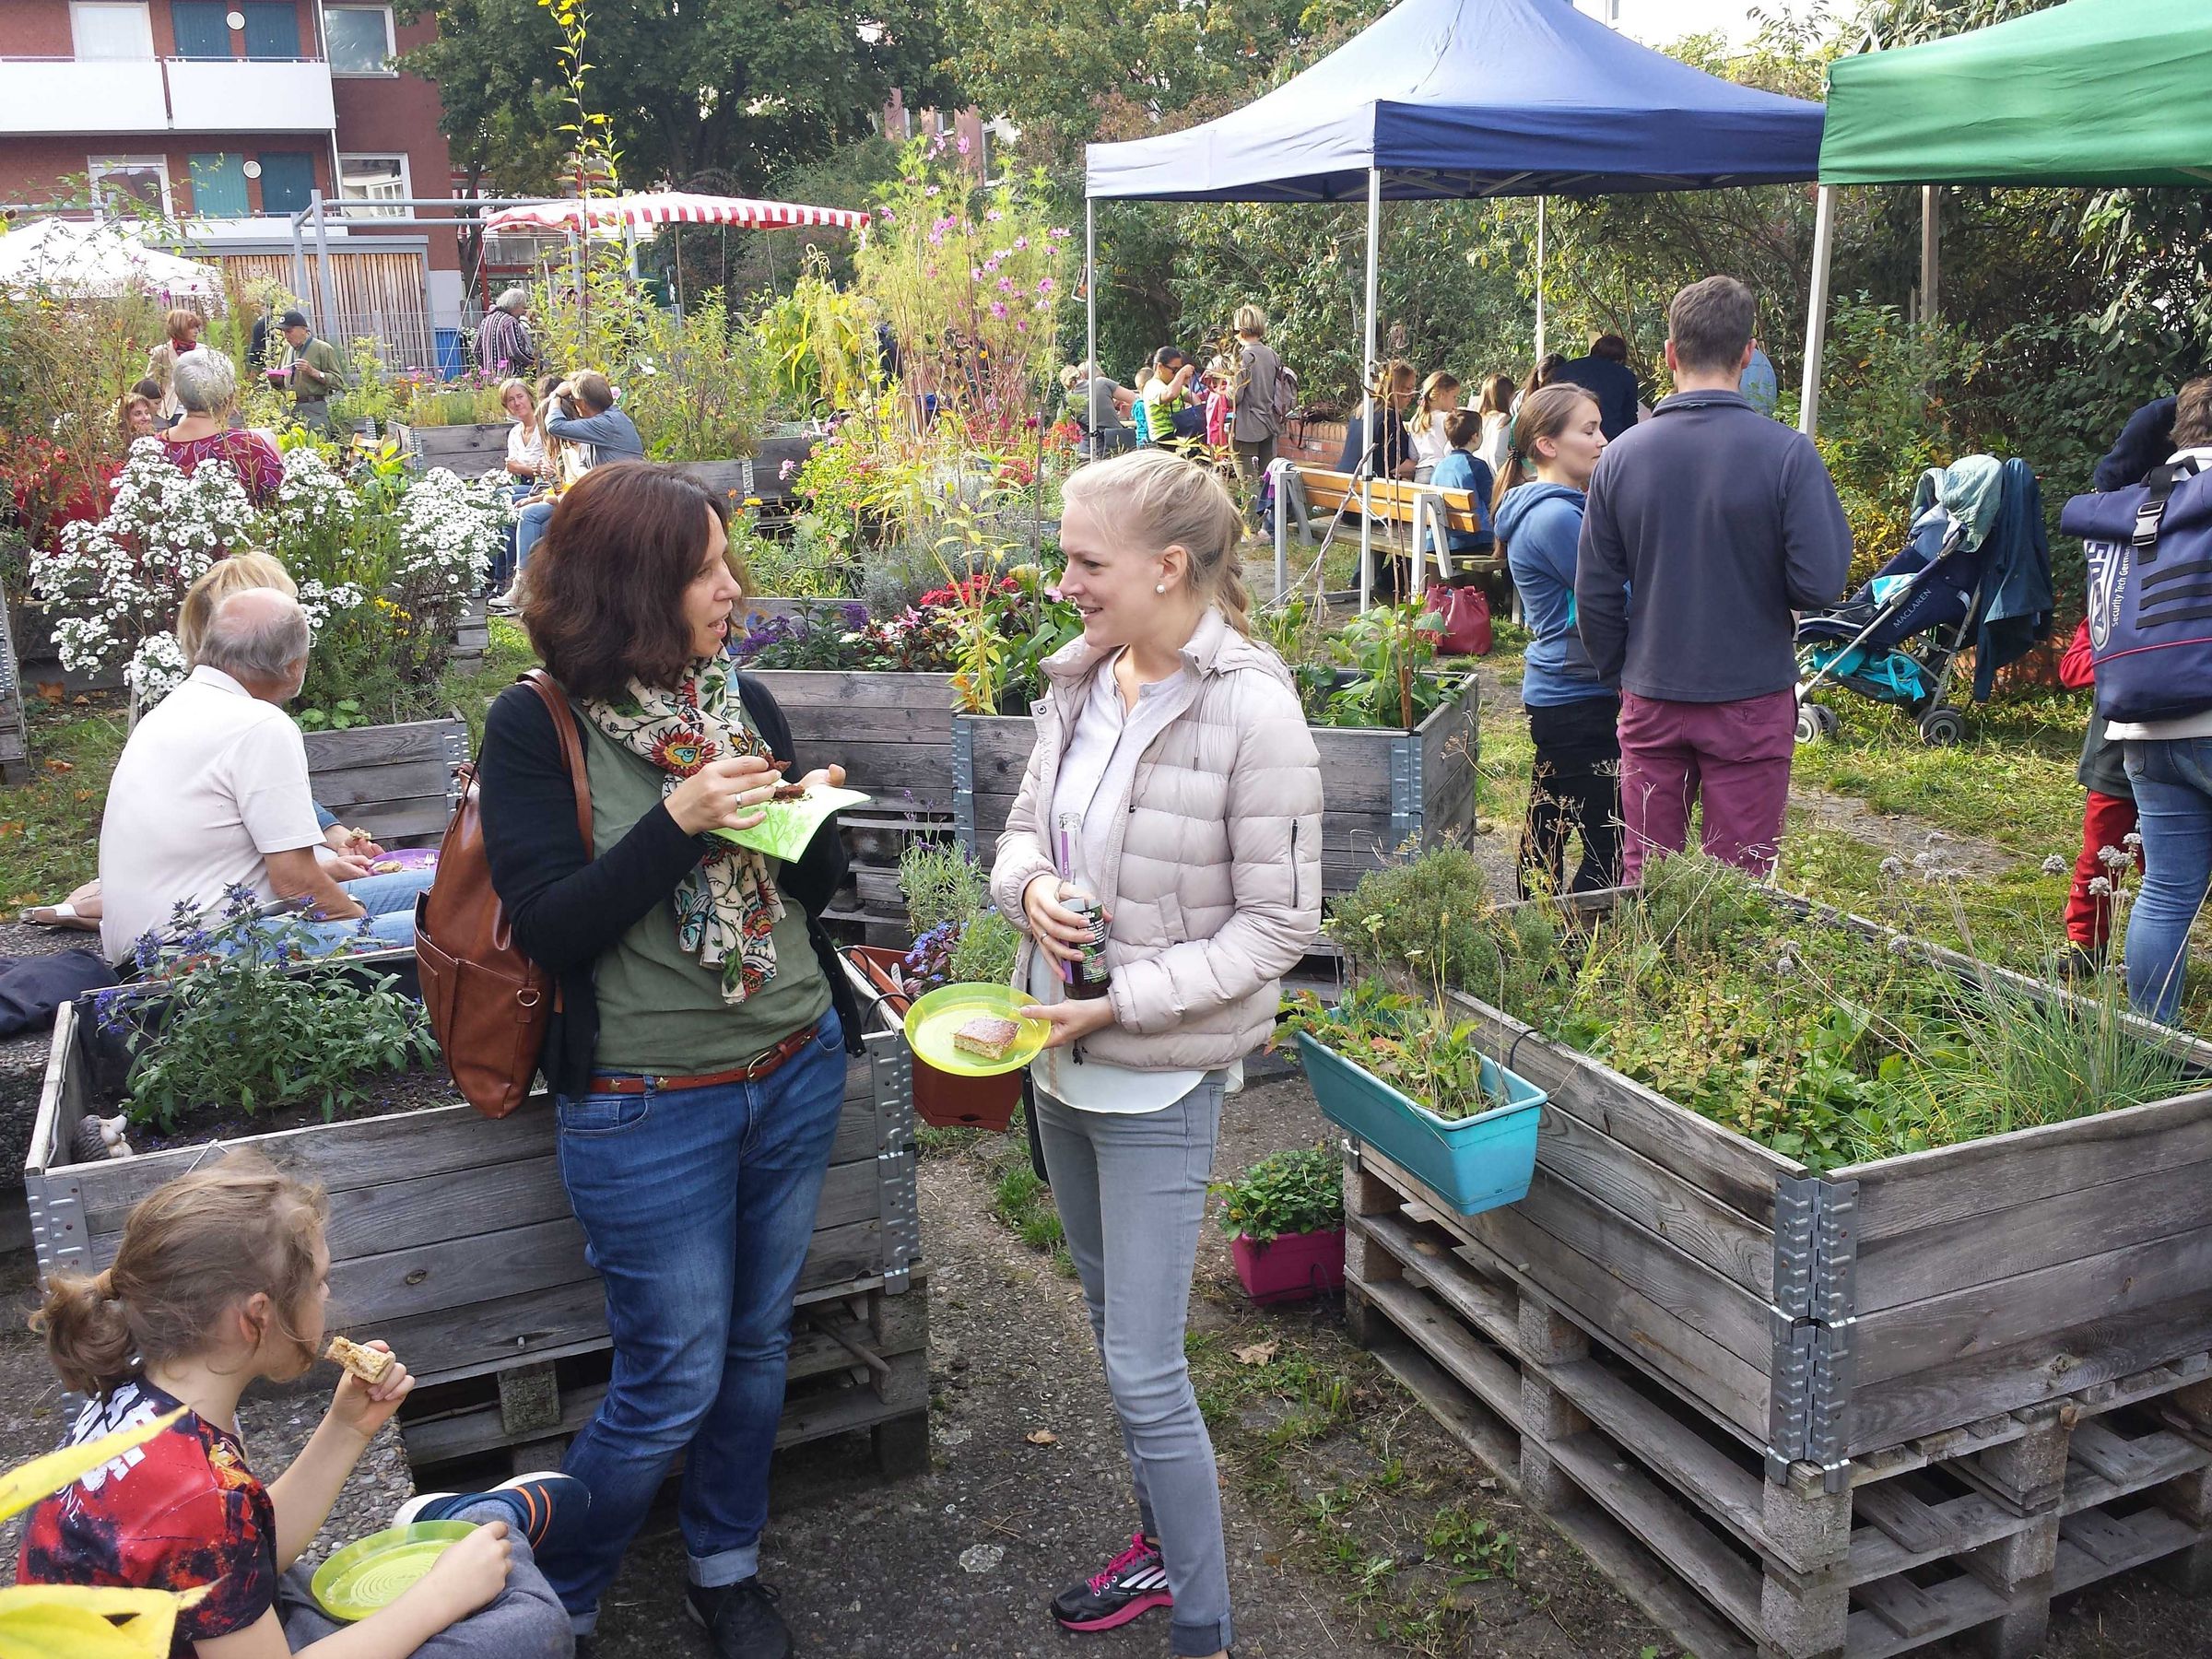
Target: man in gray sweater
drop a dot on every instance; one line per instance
(1721, 524)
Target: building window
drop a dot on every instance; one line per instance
(287, 180)
(100, 29)
(361, 40)
(201, 27)
(374, 179)
(218, 186)
(272, 29)
(131, 185)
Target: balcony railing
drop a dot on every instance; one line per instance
(126, 96)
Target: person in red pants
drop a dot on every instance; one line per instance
(2107, 819)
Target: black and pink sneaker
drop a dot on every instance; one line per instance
(1133, 1584)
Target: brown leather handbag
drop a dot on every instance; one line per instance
(489, 1004)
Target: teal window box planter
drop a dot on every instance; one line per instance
(1477, 1162)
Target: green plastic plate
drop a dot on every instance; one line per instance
(932, 1019)
(375, 1571)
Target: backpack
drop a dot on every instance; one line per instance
(2149, 552)
(489, 1004)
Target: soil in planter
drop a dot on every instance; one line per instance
(1797, 1030)
(388, 1095)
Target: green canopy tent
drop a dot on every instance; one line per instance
(2101, 93)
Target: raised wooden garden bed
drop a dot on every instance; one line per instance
(400, 783)
(469, 450)
(1787, 1389)
(15, 753)
(1383, 791)
(452, 1238)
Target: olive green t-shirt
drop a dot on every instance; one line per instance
(660, 1010)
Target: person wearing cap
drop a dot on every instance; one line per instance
(316, 370)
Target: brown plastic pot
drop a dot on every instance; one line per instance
(941, 1098)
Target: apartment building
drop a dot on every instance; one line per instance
(224, 116)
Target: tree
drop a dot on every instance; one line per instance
(745, 88)
(493, 66)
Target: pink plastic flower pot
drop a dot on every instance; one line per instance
(1295, 1266)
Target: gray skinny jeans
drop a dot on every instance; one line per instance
(523, 1621)
(1131, 1190)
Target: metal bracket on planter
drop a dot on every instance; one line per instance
(1797, 1245)
(1836, 1236)
(455, 746)
(891, 1069)
(1835, 1360)
(1406, 785)
(963, 784)
(57, 1222)
(1790, 1400)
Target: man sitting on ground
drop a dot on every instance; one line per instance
(587, 418)
(211, 792)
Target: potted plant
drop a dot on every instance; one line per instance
(1406, 1075)
(959, 940)
(1285, 1219)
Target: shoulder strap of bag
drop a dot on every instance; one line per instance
(2151, 515)
(572, 745)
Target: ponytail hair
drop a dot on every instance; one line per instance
(1441, 381)
(193, 1250)
(1153, 500)
(1543, 414)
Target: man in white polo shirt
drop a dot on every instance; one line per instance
(212, 792)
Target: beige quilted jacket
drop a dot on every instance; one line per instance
(1214, 877)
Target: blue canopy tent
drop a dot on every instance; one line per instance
(1446, 99)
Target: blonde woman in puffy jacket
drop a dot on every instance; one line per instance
(1176, 743)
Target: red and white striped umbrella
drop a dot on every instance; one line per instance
(671, 207)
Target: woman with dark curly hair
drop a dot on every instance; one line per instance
(696, 1055)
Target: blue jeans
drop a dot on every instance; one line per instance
(697, 1207)
(2172, 778)
(390, 901)
(529, 524)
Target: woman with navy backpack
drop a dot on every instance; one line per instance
(2169, 754)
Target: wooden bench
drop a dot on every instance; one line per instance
(400, 783)
(1306, 496)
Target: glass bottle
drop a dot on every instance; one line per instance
(1087, 976)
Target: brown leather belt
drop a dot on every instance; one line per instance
(753, 1073)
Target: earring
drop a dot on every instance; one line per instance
(1159, 587)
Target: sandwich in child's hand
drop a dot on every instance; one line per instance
(370, 1365)
(987, 1035)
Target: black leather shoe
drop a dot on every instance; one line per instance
(741, 1619)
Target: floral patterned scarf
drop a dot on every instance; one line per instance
(726, 908)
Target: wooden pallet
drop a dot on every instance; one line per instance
(859, 1360)
(1975, 1529)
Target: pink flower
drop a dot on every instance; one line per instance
(1041, 305)
(886, 215)
(963, 143)
(975, 273)
(998, 311)
(993, 216)
(1059, 233)
(1022, 323)
(1021, 244)
(931, 190)
(1005, 285)
(1045, 285)
(937, 239)
(787, 469)
(992, 264)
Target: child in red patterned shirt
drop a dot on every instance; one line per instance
(221, 1280)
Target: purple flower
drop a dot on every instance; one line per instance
(993, 216)
(785, 470)
(1045, 285)
(1021, 244)
(886, 215)
(998, 311)
(1059, 233)
(1005, 285)
(975, 273)
(963, 143)
(932, 191)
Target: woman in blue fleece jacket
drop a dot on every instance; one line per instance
(1552, 449)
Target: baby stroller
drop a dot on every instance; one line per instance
(1898, 639)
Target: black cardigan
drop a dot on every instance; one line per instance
(568, 908)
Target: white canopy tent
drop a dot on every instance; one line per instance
(99, 261)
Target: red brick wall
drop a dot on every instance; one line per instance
(35, 29)
(398, 115)
(31, 170)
